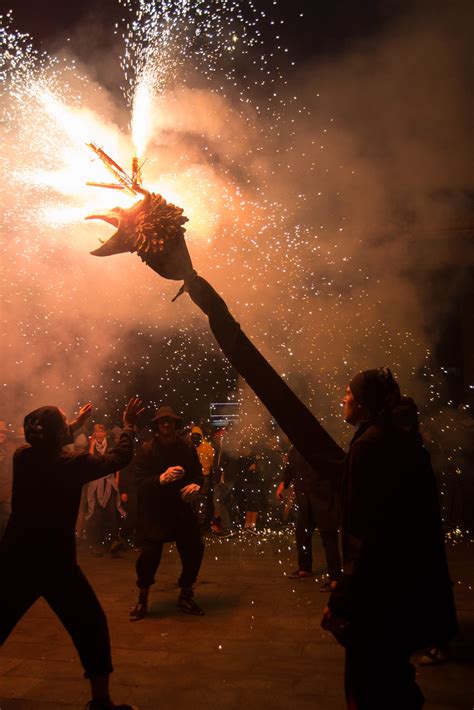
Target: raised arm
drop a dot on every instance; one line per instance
(96, 467)
(299, 424)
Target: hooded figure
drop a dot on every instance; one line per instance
(395, 594)
(38, 550)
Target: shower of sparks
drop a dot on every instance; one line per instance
(170, 41)
(211, 109)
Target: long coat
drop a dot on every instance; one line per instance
(161, 510)
(395, 568)
(396, 580)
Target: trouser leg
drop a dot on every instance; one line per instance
(304, 533)
(221, 496)
(94, 527)
(110, 518)
(191, 550)
(73, 600)
(148, 563)
(201, 505)
(329, 539)
(17, 595)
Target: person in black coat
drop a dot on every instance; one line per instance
(396, 593)
(168, 477)
(38, 550)
(317, 500)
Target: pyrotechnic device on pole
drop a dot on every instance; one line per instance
(152, 227)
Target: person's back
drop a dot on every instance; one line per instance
(38, 551)
(45, 499)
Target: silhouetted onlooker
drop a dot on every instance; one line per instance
(318, 501)
(169, 476)
(38, 551)
(396, 594)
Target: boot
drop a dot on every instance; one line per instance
(187, 604)
(140, 609)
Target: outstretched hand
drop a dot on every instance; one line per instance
(132, 411)
(84, 413)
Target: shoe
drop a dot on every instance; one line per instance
(250, 531)
(328, 585)
(138, 612)
(189, 606)
(225, 535)
(107, 704)
(300, 574)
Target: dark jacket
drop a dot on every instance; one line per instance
(45, 502)
(396, 577)
(161, 510)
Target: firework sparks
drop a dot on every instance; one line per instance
(264, 181)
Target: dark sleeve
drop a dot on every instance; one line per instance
(144, 476)
(92, 467)
(364, 505)
(299, 424)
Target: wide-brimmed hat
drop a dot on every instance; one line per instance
(167, 411)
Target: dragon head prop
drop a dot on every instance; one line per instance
(154, 229)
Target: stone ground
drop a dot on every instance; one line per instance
(259, 647)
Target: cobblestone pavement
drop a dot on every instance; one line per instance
(259, 647)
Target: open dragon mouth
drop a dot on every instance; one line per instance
(116, 244)
(154, 229)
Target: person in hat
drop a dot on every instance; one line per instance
(168, 477)
(395, 594)
(38, 550)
